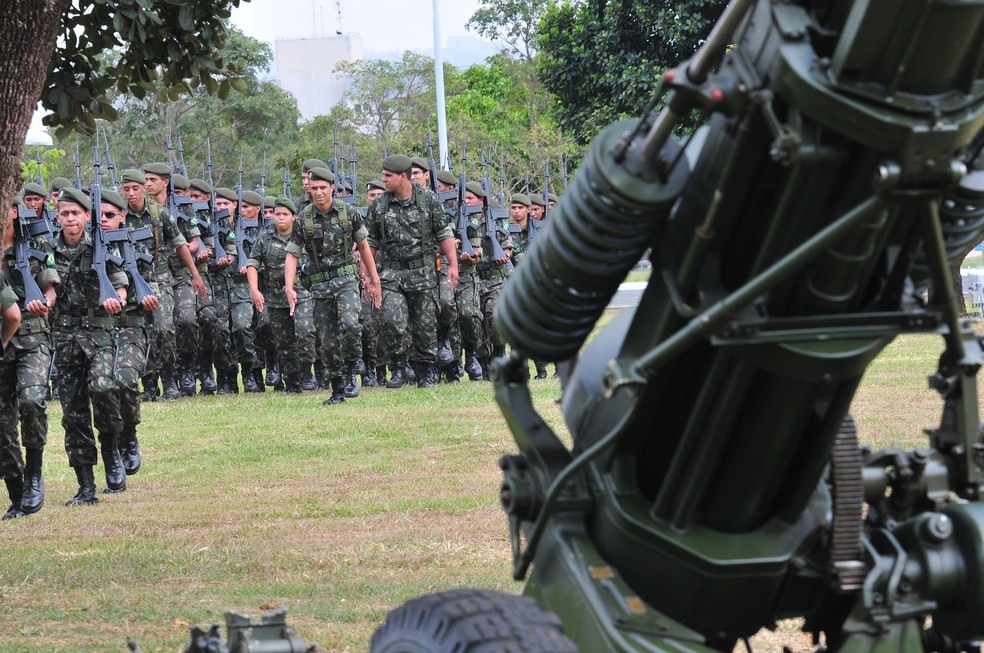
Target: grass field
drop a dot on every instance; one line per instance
(339, 513)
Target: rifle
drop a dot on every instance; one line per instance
(546, 190)
(340, 179)
(334, 161)
(502, 182)
(23, 252)
(78, 168)
(263, 177)
(448, 194)
(241, 223)
(492, 217)
(464, 211)
(113, 179)
(216, 223)
(355, 186)
(51, 226)
(287, 188)
(181, 169)
(179, 206)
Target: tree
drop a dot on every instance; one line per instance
(602, 60)
(172, 43)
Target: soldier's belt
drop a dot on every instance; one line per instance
(134, 320)
(412, 264)
(278, 283)
(492, 273)
(181, 272)
(87, 322)
(32, 326)
(334, 273)
(238, 278)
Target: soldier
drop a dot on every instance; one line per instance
(10, 315)
(375, 373)
(326, 232)
(24, 376)
(58, 184)
(405, 223)
(222, 282)
(86, 350)
(290, 313)
(264, 338)
(305, 199)
(205, 306)
(520, 217)
(537, 205)
(469, 291)
(34, 197)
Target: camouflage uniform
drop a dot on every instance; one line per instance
(24, 368)
(241, 311)
(186, 303)
(521, 241)
(469, 297)
(294, 333)
(405, 233)
(205, 309)
(491, 276)
(220, 343)
(332, 276)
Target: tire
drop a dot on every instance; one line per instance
(471, 621)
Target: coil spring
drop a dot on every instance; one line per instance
(962, 223)
(600, 229)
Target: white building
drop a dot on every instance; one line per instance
(305, 68)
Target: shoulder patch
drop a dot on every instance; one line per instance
(49, 260)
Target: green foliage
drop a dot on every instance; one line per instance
(51, 159)
(511, 21)
(165, 48)
(602, 61)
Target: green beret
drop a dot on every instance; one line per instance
(114, 198)
(475, 188)
(58, 183)
(552, 198)
(376, 184)
(519, 198)
(537, 199)
(75, 195)
(287, 203)
(269, 201)
(179, 182)
(313, 163)
(321, 173)
(200, 185)
(252, 197)
(397, 163)
(34, 189)
(159, 169)
(226, 193)
(420, 162)
(495, 204)
(447, 177)
(132, 175)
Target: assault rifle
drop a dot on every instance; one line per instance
(50, 224)
(287, 184)
(432, 165)
(493, 217)
(263, 177)
(27, 229)
(464, 210)
(78, 168)
(341, 178)
(181, 207)
(334, 160)
(113, 179)
(242, 224)
(546, 190)
(217, 218)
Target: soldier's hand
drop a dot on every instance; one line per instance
(37, 308)
(205, 254)
(453, 276)
(150, 303)
(258, 299)
(375, 290)
(291, 299)
(199, 286)
(112, 306)
(224, 262)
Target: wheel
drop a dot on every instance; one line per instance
(471, 621)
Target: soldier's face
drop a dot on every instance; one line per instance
(72, 219)
(442, 187)
(184, 192)
(155, 184)
(518, 213)
(471, 199)
(395, 182)
(283, 219)
(198, 195)
(420, 177)
(551, 204)
(251, 211)
(34, 202)
(112, 216)
(222, 203)
(373, 193)
(305, 182)
(320, 191)
(536, 212)
(268, 213)
(134, 193)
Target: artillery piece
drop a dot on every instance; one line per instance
(715, 484)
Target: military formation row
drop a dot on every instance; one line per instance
(170, 284)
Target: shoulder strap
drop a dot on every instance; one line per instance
(307, 220)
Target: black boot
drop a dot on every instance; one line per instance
(227, 381)
(294, 383)
(15, 490)
(113, 464)
(86, 496)
(369, 378)
(186, 374)
(351, 383)
(380, 375)
(169, 383)
(319, 376)
(309, 380)
(205, 373)
(129, 449)
(337, 392)
(541, 369)
(426, 375)
(33, 497)
(258, 379)
(486, 368)
(472, 367)
(452, 373)
(151, 391)
(249, 382)
(399, 372)
(444, 354)
(410, 369)
(273, 377)
(360, 366)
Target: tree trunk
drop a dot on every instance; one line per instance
(27, 38)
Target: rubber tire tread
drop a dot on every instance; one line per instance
(471, 621)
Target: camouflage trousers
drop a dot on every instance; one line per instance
(206, 316)
(23, 387)
(447, 310)
(96, 366)
(162, 350)
(185, 317)
(241, 322)
(408, 307)
(469, 296)
(220, 341)
(133, 341)
(492, 341)
(367, 317)
(295, 335)
(337, 308)
(266, 339)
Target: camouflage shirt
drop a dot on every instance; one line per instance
(269, 256)
(407, 230)
(78, 292)
(163, 234)
(327, 238)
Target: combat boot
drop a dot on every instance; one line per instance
(444, 354)
(186, 375)
(360, 366)
(369, 378)
(310, 380)
(472, 367)
(113, 464)
(258, 379)
(15, 490)
(541, 370)
(486, 368)
(129, 448)
(86, 496)
(399, 372)
(227, 386)
(410, 371)
(205, 374)
(452, 373)
(249, 382)
(425, 375)
(151, 391)
(170, 386)
(33, 497)
(293, 384)
(380, 375)
(319, 376)
(351, 384)
(337, 392)
(273, 376)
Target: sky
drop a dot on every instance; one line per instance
(386, 27)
